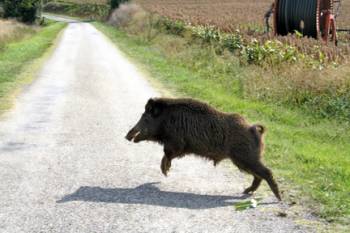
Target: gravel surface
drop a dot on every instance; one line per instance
(66, 167)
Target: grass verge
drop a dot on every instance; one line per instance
(11, 31)
(19, 61)
(309, 156)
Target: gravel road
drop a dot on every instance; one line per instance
(66, 167)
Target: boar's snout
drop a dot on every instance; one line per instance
(131, 134)
(136, 135)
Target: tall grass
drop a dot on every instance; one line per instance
(19, 55)
(11, 30)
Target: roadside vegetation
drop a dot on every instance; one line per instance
(87, 9)
(302, 96)
(20, 47)
(23, 10)
(294, 71)
(11, 30)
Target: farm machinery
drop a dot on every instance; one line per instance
(311, 18)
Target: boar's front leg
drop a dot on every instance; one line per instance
(165, 165)
(171, 151)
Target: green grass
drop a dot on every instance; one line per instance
(18, 60)
(310, 156)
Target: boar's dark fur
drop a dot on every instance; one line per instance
(187, 126)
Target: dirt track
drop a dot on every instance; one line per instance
(66, 167)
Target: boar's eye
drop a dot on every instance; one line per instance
(156, 111)
(153, 108)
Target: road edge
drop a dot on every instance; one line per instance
(28, 75)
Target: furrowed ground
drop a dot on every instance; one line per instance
(344, 18)
(226, 14)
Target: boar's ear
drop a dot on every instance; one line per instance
(149, 105)
(153, 107)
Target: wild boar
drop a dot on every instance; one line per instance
(188, 126)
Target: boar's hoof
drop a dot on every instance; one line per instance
(248, 191)
(165, 165)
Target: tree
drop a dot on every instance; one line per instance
(24, 10)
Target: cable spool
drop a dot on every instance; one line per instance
(312, 18)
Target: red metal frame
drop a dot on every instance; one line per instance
(330, 30)
(275, 17)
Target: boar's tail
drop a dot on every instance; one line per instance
(258, 130)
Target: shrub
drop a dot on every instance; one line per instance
(88, 10)
(24, 10)
(232, 42)
(208, 34)
(123, 15)
(176, 27)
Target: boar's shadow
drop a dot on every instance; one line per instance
(148, 194)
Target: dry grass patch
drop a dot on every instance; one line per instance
(11, 30)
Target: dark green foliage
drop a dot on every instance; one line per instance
(10, 8)
(176, 27)
(24, 10)
(1, 9)
(115, 3)
(232, 42)
(87, 11)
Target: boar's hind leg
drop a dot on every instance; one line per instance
(263, 172)
(255, 185)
